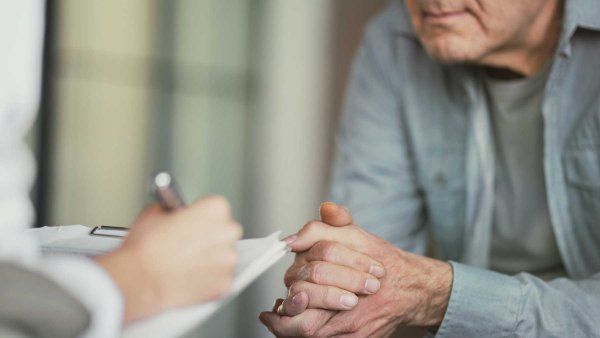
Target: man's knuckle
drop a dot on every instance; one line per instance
(311, 226)
(361, 262)
(328, 251)
(358, 281)
(354, 227)
(296, 288)
(315, 272)
(287, 281)
(353, 326)
(316, 249)
(327, 297)
(290, 276)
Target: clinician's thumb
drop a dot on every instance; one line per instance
(335, 215)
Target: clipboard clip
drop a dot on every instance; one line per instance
(109, 231)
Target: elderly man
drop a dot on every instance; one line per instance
(478, 122)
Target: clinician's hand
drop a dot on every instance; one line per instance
(414, 291)
(174, 259)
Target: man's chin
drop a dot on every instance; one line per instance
(451, 51)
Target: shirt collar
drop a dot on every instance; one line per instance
(582, 13)
(578, 14)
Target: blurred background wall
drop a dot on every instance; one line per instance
(235, 97)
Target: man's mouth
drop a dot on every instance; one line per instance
(442, 17)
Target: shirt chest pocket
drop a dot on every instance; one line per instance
(582, 168)
(581, 159)
(582, 175)
(442, 177)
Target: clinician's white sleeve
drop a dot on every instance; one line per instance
(93, 287)
(21, 37)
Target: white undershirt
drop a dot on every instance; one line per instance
(522, 234)
(21, 35)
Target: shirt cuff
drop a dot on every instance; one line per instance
(92, 286)
(482, 303)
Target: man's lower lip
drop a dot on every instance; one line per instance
(443, 17)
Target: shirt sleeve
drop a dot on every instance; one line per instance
(484, 303)
(373, 171)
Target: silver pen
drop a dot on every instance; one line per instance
(164, 191)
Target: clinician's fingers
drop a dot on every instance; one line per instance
(303, 295)
(335, 215)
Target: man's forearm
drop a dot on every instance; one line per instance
(484, 303)
(436, 281)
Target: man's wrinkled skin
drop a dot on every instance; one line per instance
(514, 35)
(410, 293)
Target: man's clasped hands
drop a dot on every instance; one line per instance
(347, 282)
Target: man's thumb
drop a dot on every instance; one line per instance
(335, 215)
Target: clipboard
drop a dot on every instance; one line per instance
(109, 231)
(78, 239)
